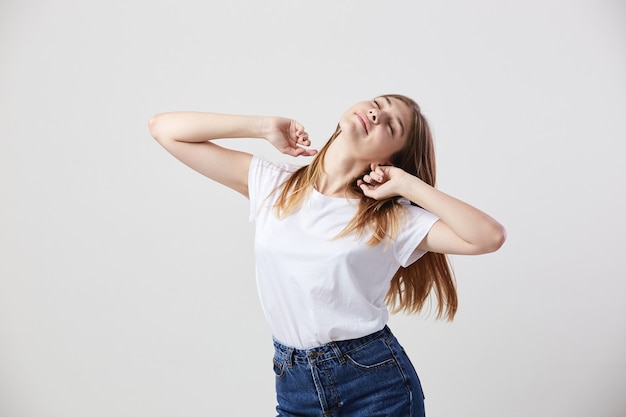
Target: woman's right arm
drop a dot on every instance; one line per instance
(188, 135)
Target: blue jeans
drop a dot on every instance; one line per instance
(366, 377)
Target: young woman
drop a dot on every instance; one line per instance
(338, 240)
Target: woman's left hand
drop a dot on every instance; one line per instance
(383, 181)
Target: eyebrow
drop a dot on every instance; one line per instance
(397, 118)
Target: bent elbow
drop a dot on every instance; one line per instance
(153, 126)
(496, 239)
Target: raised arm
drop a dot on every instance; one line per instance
(188, 135)
(462, 228)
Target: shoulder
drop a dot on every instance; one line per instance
(416, 212)
(262, 165)
(418, 223)
(266, 176)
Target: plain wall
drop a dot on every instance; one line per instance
(127, 280)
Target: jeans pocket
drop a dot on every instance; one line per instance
(279, 367)
(371, 356)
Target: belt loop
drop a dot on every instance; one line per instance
(290, 354)
(388, 333)
(338, 353)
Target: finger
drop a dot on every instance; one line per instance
(299, 129)
(378, 170)
(384, 169)
(309, 152)
(291, 151)
(366, 188)
(376, 176)
(298, 151)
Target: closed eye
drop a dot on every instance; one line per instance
(388, 124)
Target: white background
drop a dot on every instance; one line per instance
(127, 280)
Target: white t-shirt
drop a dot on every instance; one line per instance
(313, 287)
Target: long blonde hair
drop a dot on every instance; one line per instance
(410, 287)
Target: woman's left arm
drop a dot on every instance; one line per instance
(462, 229)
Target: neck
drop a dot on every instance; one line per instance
(339, 171)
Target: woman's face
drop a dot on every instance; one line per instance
(376, 129)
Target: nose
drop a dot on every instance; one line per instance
(374, 115)
(377, 116)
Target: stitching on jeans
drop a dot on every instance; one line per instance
(388, 342)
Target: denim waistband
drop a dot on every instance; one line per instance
(332, 350)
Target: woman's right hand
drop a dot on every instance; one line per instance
(288, 136)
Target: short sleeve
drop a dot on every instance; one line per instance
(415, 228)
(264, 177)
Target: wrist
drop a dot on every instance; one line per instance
(257, 127)
(409, 186)
(404, 183)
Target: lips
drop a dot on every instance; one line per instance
(363, 121)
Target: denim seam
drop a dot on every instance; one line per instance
(388, 341)
(341, 357)
(319, 388)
